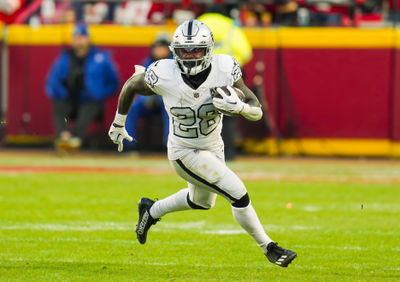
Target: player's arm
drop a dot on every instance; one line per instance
(252, 107)
(133, 86)
(232, 104)
(250, 97)
(249, 106)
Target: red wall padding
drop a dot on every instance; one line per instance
(335, 93)
(395, 99)
(316, 93)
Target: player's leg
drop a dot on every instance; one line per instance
(151, 211)
(206, 170)
(200, 198)
(173, 203)
(189, 198)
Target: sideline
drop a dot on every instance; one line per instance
(249, 176)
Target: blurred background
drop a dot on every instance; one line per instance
(326, 71)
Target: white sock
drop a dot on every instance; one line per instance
(175, 202)
(247, 218)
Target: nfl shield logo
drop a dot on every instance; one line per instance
(196, 95)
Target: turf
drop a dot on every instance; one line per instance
(342, 219)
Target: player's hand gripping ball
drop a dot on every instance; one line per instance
(228, 100)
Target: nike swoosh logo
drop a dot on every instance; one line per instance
(232, 103)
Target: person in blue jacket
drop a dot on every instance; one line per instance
(147, 106)
(80, 80)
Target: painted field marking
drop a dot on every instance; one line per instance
(211, 265)
(80, 240)
(196, 226)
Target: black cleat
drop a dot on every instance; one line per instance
(145, 219)
(278, 255)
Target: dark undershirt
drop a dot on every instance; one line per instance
(194, 81)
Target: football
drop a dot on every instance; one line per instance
(239, 93)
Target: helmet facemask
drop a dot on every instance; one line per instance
(192, 59)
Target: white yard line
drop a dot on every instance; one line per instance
(167, 227)
(90, 226)
(127, 263)
(224, 232)
(80, 240)
(214, 232)
(180, 264)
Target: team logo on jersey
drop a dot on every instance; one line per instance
(213, 91)
(150, 78)
(196, 95)
(236, 71)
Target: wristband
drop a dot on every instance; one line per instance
(120, 119)
(252, 113)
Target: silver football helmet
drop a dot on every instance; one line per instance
(192, 45)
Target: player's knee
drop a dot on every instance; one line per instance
(231, 184)
(199, 206)
(242, 202)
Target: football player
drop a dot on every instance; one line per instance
(195, 147)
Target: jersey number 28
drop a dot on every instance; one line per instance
(184, 120)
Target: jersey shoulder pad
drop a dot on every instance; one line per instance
(229, 65)
(159, 70)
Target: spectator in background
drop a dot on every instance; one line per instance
(286, 12)
(10, 9)
(80, 80)
(148, 106)
(231, 40)
(275, 12)
(394, 11)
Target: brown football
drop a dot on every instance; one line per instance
(239, 93)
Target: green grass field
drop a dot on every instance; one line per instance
(58, 222)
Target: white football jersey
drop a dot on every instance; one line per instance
(194, 122)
